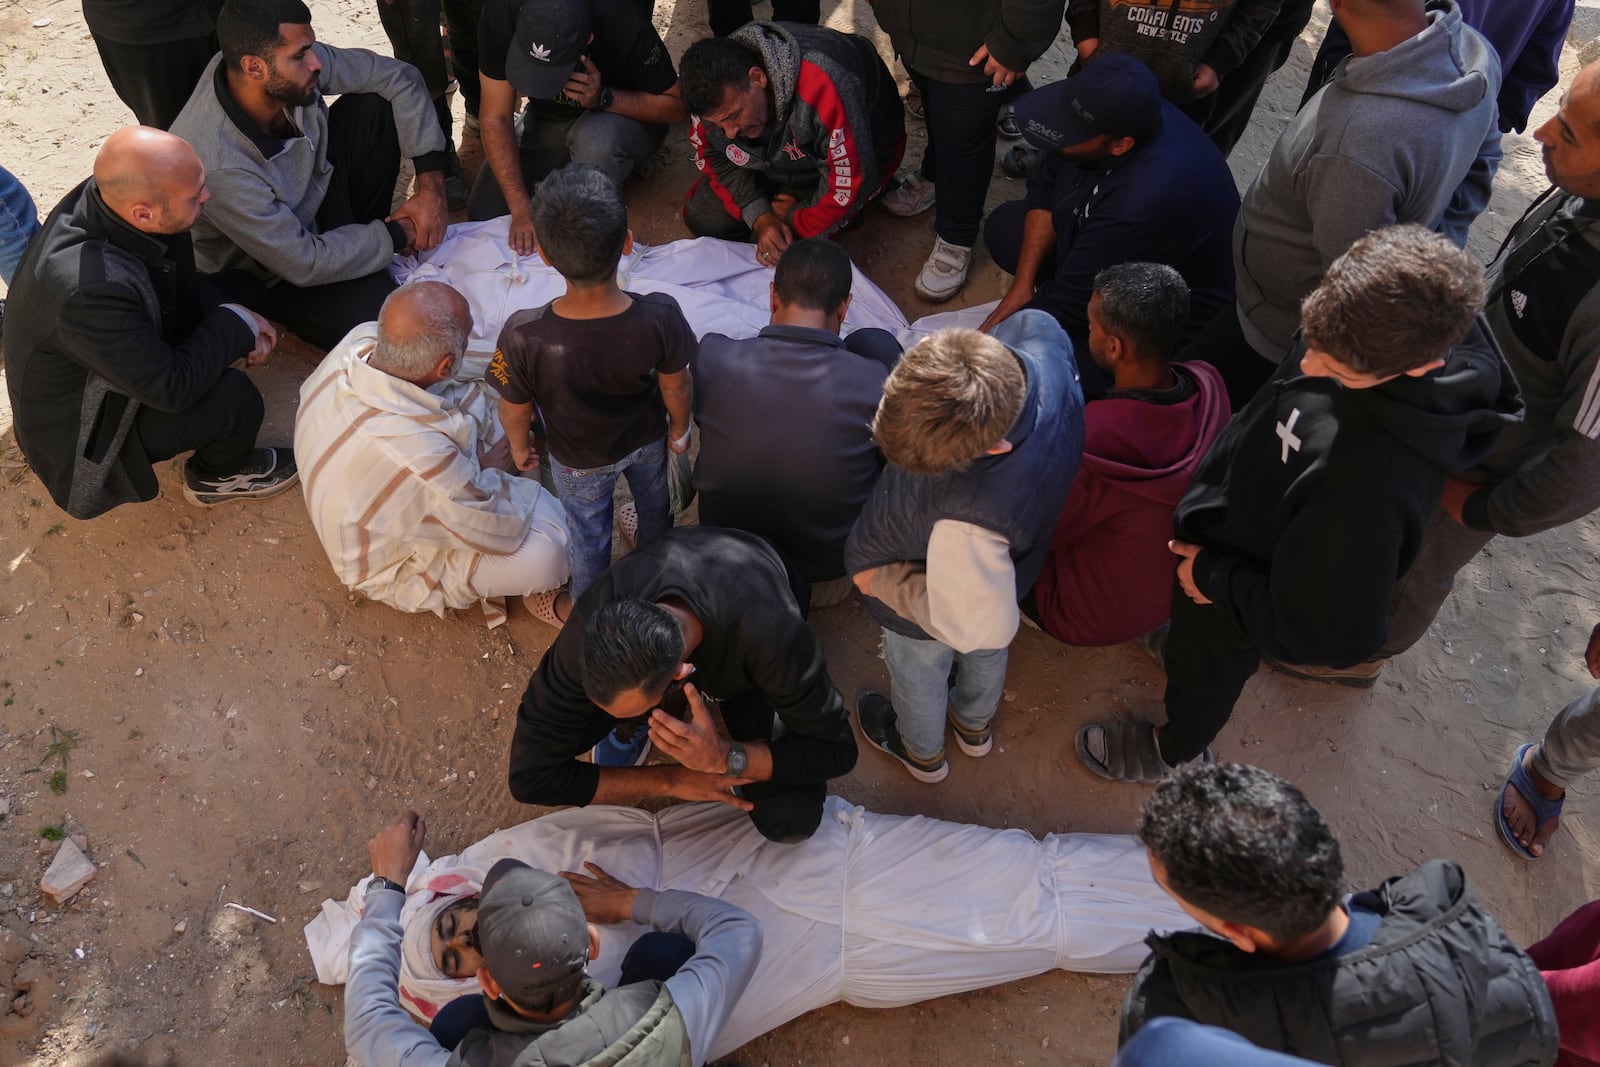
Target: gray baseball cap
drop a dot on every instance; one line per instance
(531, 930)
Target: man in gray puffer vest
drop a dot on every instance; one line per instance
(532, 940)
(1412, 972)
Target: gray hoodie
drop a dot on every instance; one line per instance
(1405, 135)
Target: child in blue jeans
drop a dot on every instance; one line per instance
(608, 369)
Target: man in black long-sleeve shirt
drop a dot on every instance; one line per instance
(715, 606)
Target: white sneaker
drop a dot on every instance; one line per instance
(945, 272)
(912, 196)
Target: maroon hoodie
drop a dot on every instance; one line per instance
(1108, 577)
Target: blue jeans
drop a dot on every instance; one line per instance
(18, 222)
(1164, 1041)
(920, 690)
(657, 955)
(587, 493)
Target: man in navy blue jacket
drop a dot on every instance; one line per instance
(785, 417)
(1125, 177)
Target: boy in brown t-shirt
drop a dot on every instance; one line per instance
(605, 367)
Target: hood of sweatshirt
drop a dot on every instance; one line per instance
(1448, 65)
(1453, 416)
(1152, 450)
(780, 56)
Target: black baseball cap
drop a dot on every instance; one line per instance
(551, 36)
(1113, 94)
(531, 930)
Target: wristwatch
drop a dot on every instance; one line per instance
(738, 760)
(380, 882)
(605, 99)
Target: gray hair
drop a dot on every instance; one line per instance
(427, 332)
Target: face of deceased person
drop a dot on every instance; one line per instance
(454, 939)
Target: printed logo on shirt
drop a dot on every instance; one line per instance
(842, 198)
(497, 368)
(1519, 302)
(836, 137)
(793, 151)
(1175, 23)
(1287, 435)
(657, 53)
(737, 155)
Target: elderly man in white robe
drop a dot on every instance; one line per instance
(407, 474)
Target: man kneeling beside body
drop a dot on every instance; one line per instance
(875, 910)
(403, 489)
(534, 943)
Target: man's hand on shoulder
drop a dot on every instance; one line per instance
(426, 211)
(605, 898)
(395, 848)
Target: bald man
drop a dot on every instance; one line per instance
(409, 480)
(119, 353)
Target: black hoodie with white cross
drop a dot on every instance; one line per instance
(1314, 500)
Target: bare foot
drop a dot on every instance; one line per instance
(1518, 812)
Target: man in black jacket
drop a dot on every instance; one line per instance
(1315, 498)
(1414, 971)
(117, 349)
(697, 612)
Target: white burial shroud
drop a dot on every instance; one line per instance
(720, 285)
(874, 910)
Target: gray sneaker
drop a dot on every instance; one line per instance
(268, 472)
(944, 273)
(912, 196)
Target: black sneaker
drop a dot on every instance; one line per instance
(878, 724)
(976, 744)
(1019, 161)
(1006, 123)
(268, 472)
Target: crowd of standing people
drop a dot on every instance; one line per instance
(1244, 430)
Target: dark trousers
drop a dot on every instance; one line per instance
(220, 429)
(1208, 659)
(156, 80)
(960, 153)
(728, 15)
(461, 16)
(784, 813)
(1002, 233)
(412, 27)
(1222, 344)
(657, 955)
(1235, 99)
(364, 148)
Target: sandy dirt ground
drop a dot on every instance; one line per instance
(231, 726)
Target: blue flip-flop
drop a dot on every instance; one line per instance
(1543, 810)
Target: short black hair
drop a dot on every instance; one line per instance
(814, 274)
(1145, 304)
(250, 27)
(711, 67)
(581, 222)
(629, 644)
(1246, 846)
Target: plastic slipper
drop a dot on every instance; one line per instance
(1543, 810)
